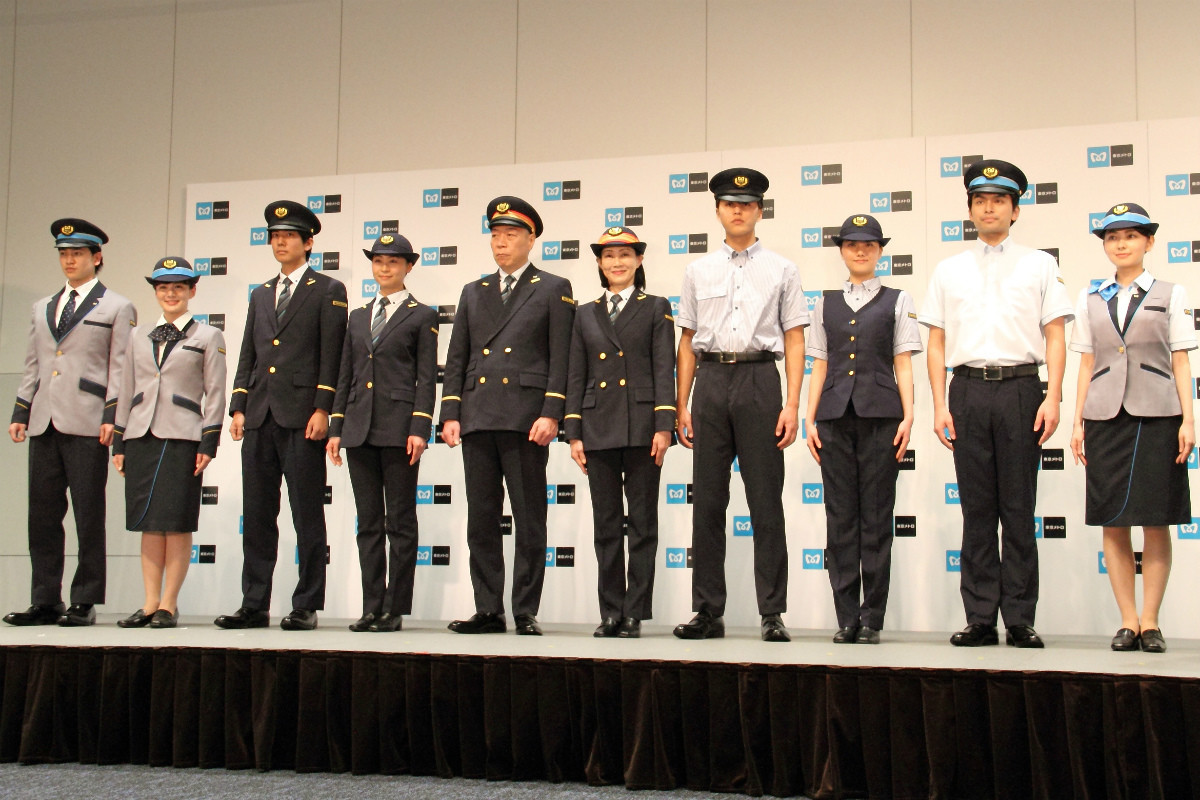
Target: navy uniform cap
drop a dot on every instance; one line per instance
(72, 232)
(1126, 215)
(994, 176)
(285, 215)
(739, 185)
(618, 237)
(509, 210)
(389, 245)
(861, 228)
(171, 269)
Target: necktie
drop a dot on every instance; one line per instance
(615, 309)
(379, 321)
(285, 296)
(162, 336)
(68, 312)
(506, 292)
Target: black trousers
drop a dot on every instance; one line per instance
(859, 468)
(493, 459)
(59, 462)
(735, 408)
(271, 453)
(996, 461)
(385, 495)
(633, 471)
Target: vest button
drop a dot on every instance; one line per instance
(271, 370)
(275, 342)
(603, 356)
(1121, 349)
(487, 352)
(853, 322)
(852, 355)
(508, 349)
(603, 384)
(483, 380)
(852, 338)
(504, 380)
(622, 381)
(370, 385)
(851, 372)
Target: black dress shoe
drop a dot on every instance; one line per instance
(1023, 636)
(164, 619)
(702, 626)
(976, 635)
(78, 615)
(244, 618)
(386, 623)
(37, 615)
(847, 635)
(867, 636)
(479, 623)
(526, 625)
(138, 619)
(1125, 640)
(1153, 641)
(301, 619)
(630, 628)
(607, 628)
(773, 630)
(364, 622)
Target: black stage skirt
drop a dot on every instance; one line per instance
(161, 493)
(1132, 477)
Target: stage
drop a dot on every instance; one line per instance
(910, 718)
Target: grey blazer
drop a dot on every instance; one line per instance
(73, 381)
(182, 399)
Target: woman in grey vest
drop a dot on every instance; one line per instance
(860, 415)
(1133, 417)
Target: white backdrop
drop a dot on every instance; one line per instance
(912, 185)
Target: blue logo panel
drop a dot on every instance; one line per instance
(952, 167)
(203, 266)
(258, 236)
(315, 260)
(813, 558)
(372, 229)
(676, 494)
(429, 256)
(614, 217)
(677, 244)
(431, 198)
(952, 494)
(369, 288)
(1097, 157)
(1179, 252)
(810, 175)
(742, 526)
(883, 266)
(814, 493)
(952, 231)
(424, 555)
(677, 556)
(551, 251)
(552, 190)
(678, 184)
(316, 203)
(424, 495)
(204, 210)
(953, 561)
(810, 237)
(1176, 185)
(1191, 530)
(549, 556)
(1101, 565)
(880, 202)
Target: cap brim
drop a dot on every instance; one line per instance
(638, 247)
(65, 243)
(170, 279)
(860, 237)
(1149, 228)
(510, 222)
(740, 198)
(407, 256)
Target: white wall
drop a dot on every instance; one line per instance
(112, 107)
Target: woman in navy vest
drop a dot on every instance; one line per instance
(860, 415)
(1133, 417)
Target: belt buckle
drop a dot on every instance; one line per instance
(724, 357)
(993, 373)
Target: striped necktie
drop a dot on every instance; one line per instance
(379, 321)
(506, 292)
(68, 312)
(615, 309)
(285, 296)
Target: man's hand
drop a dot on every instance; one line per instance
(119, 463)
(903, 432)
(1077, 444)
(318, 426)
(543, 431)
(416, 446)
(237, 426)
(683, 427)
(451, 432)
(1047, 419)
(578, 456)
(659, 445)
(786, 426)
(202, 461)
(813, 438)
(333, 449)
(943, 427)
(16, 432)
(106, 434)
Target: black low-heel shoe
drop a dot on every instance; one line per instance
(138, 619)
(164, 619)
(1125, 640)
(1153, 641)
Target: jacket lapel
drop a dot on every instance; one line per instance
(83, 307)
(300, 294)
(402, 310)
(520, 295)
(51, 308)
(631, 310)
(187, 331)
(600, 310)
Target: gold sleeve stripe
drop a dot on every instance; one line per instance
(573, 416)
(435, 330)
(337, 415)
(221, 350)
(566, 299)
(669, 317)
(556, 394)
(422, 414)
(110, 403)
(664, 408)
(243, 391)
(451, 397)
(22, 405)
(326, 388)
(339, 304)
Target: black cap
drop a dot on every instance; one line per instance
(171, 269)
(994, 176)
(509, 210)
(860, 228)
(389, 245)
(72, 232)
(285, 215)
(618, 237)
(1126, 215)
(739, 185)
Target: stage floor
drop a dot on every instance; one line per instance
(901, 650)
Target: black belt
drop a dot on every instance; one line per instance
(998, 373)
(745, 357)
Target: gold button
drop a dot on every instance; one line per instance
(851, 372)
(370, 384)
(55, 372)
(852, 338)
(483, 380)
(275, 342)
(603, 356)
(487, 352)
(58, 353)
(853, 322)
(271, 370)
(852, 355)
(1121, 349)
(603, 385)
(622, 381)
(621, 353)
(504, 380)
(508, 349)
(370, 355)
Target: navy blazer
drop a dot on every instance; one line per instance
(621, 380)
(386, 391)
(290, 368)
(507, 363)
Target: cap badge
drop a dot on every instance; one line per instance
(740, 180)
(990, 172)
(614, 231)
(386, 239)
(281, 212)
(68, 230)
(169, 263)
(502, 207)
(1120, 209)
(859, 221)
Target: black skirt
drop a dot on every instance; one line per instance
(1132, 477)
(161, 493)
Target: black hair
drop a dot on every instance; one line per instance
(719, 199)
